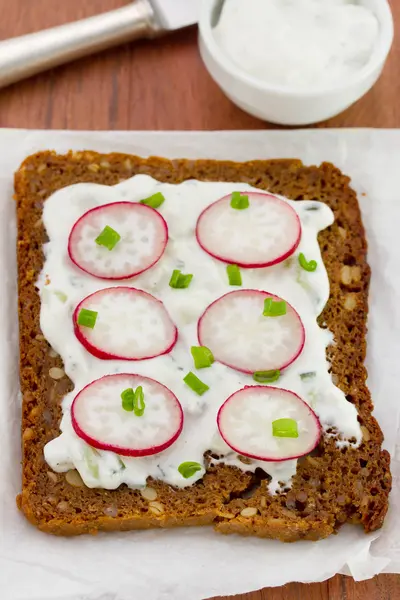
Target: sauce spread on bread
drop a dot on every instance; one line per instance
(63, 286)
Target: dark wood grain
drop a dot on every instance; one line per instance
(158, 85)
(163, 85)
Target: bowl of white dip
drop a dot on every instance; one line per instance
(295, 62)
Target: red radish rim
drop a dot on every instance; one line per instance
(118, 449)
(107, 355)
(245, 265)
(134, 274)
(265, 388)
(267, 295)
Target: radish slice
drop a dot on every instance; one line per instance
(130, 325)
(99, 419)
(144, 236)
(245, 423)
(264, 234)
(239, 336)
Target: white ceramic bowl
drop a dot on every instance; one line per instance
(282, 105)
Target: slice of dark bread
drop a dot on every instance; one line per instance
(331, 487)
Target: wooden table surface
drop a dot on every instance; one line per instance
(163, 85)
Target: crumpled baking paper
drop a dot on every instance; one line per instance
(193, 564)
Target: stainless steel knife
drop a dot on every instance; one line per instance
(24, 56)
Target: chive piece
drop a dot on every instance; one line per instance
(138, 402)
(309, 266)
(195, 383)
(90, 458)
(184, 281)
(179, 281)
(285, 428)
(173, 282)
(239, 202)
(133, 401)
(309, 375)
(274, 308)
(188, 469)
(266, 376)
(108, 238)
(61, 296)
(202, 356)
(87, 318)
(154, 201)
(234, 275)
(128, 399)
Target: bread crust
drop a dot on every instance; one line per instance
(331, 486)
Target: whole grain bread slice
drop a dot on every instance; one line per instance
(331, 487)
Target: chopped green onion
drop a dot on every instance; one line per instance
(108, 238)
(154, 201)
(309, 375)
(274, 308)
(195, 383)
(285, 428)
(266, 376)
(61, 296)
(173, 282)
(133, 401)
(87, 318)
(188, 469)
(202, 356)
(309, 266)
(238, 201)
(90, 458)
(128, 399)
(234, 275)
(179, 281)
(138, 402)
(304, 284)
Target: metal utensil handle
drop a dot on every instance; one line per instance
(30, 54)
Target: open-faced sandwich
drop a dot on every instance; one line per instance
(192, 347)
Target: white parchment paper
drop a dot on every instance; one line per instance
(193, 564)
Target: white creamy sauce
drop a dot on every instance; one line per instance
(298, 43)
(306, 292)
